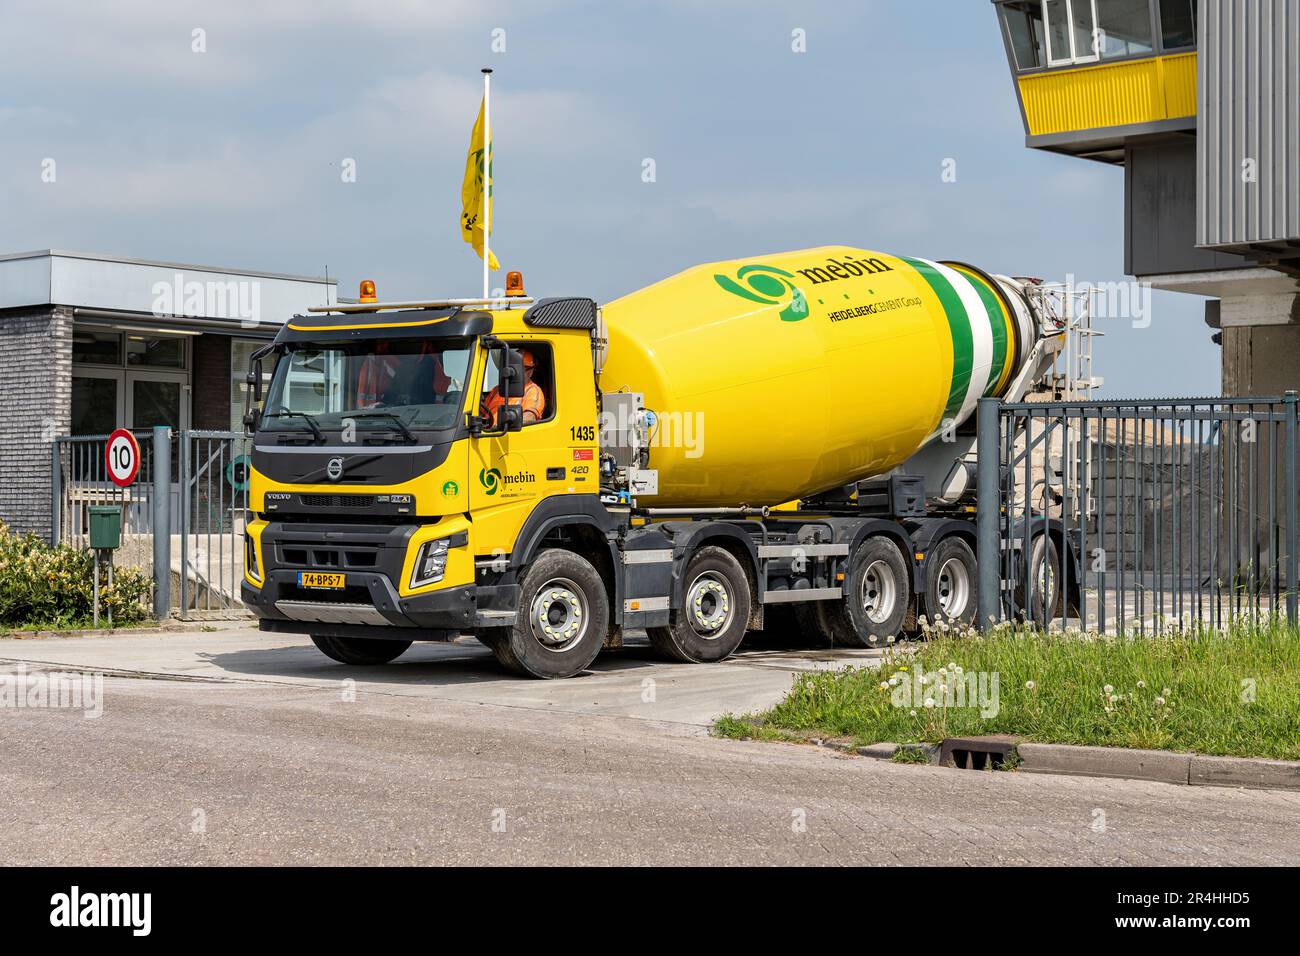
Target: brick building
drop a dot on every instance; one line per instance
(89, 343)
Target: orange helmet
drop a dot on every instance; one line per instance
(527, 355)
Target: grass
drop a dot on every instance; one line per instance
(1235, 692)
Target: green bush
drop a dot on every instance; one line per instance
(53, 586)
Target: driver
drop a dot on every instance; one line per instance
(533, 401)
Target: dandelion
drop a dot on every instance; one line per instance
(884, 685)
(1108, 690)
(1160, 702)
(1142, 685)
(912, 713)
(925, 679)
(1030, 685)
(928, 703)
(1166, 692)
(1113, 699)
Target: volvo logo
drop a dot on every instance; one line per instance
(334, 469)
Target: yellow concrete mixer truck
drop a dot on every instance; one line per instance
(792, 431)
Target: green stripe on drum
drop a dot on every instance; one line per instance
(963, 347)
(998, 324)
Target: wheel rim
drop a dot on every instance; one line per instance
(954, 588)
(558, 615)
(879, 592)
(1046, 583)
(709, 605)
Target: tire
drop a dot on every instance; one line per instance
(359, 650)
(951, 583)
(710, 624)
(877, 596)
(1045, 578)
(563, 619)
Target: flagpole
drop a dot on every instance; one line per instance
(487, 186)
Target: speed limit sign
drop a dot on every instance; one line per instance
(122, 453)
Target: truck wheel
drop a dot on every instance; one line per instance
(1044, 582)
(951, 581)
(563, 618)
(359, 650)
(710, 624)
(876, 596)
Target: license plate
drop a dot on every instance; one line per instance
(318, 579)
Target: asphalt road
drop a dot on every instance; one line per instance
(231, 748)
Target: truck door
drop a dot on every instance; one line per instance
(510, 473)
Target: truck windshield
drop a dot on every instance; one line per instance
(392, 385)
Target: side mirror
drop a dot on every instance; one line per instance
(512, 375)
(252, 420)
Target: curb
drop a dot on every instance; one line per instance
(1161, 766)
(171, 626)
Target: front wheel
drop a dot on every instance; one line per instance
(359, 650)
(711, 622)
(563, 618)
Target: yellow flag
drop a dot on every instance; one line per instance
(473, 197)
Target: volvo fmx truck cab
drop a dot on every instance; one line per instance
(788, 436)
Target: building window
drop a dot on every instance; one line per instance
(1123, 28)
(1024, 21)
(1073, 32)
(240, 352)
(154, 351)
(96, 347)
(1178, 24)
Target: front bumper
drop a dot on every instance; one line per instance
(440, 615)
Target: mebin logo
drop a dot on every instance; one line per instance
(491, 479)
(450, 489)
(770, 286)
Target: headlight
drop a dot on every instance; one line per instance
(250, 558)
(430, 563)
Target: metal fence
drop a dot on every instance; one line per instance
(1139, 516)
(214, 512)
(192, 483)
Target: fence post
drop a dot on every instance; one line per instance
(988, 517)
(162, 524)
(1292, 569)
(56, 492)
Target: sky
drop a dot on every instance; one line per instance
(234, 156)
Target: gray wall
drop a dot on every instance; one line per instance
(1248, 102)
(36, 369)
(1160, 211)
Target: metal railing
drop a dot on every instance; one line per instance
(193, 484)
(1139, 516)
(214, 511)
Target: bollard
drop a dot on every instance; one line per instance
(162, 524)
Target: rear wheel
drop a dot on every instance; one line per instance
(359, 650)
(711, 622)
(950, 595)
(876, 596)
(1044, 591)
(563, 618)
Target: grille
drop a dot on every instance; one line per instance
(338, 501)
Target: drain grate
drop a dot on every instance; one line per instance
(978, 753)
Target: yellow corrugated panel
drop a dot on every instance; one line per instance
(1180, 84)
(1110, 94)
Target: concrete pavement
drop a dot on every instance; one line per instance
(243, 749)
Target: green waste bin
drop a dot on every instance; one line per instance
(105, 526)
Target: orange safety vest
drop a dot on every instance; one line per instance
(533, 401)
